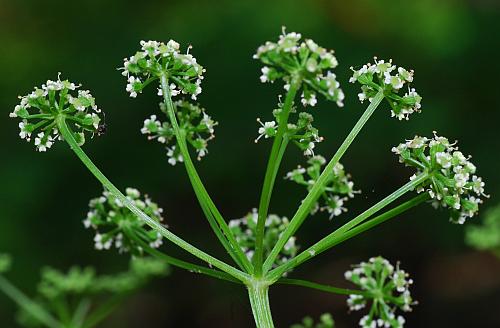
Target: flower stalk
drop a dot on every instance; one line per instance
(28, 305)
(354, 226)
(191, 267)
(68, 137)
(278, 149)
(306, 205)
(213, 215)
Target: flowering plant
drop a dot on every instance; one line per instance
(264, 246)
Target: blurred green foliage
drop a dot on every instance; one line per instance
(326, 321)
(452, 45)
(486, 236)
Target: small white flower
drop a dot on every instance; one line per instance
(310, 149)
(132, 81)
(267, 129)
(172, 157)
(87, 223)
(151, 125)
(264, 77)
(394, 81)
(24, 132)
(311, 100)
(444, 159)
(42, 142)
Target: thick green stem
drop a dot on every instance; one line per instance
(306, 205)
(278, 149)
(259, 300)
(68, 137)
(24, 302)
(217, 222)
(349, 230)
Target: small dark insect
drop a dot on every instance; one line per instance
(101, 129)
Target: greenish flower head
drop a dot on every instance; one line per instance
(391, 79)
(385, 288)
(245, 230)
(452, 183)
(325, 321)
(58, 290)
(487, 235)
(338, 189)
(141, 270)
(117, 226)
(85, 281)
(39, 110)
(55, 283)
(5, 263)
(194, 122)
(291, 57)
(156, 59)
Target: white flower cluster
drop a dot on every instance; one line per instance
(302, 133)
(384, 286)
(156, 59)
(386, 76)
(197, 125)
(452, 183)
(291, 56)
(245, 229)
(116, 225)
(39, 110)
(337, 190)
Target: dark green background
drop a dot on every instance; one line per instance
(453, 46)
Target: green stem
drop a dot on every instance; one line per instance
(180, 263)
(258, 292)
(80, 313)
(103, 311)
(278, 149)
(68, 137)
(306, 205)
(380, 219)
(213, 215)
(324, 288)
(346, 232)
(62, 310)
(28, 305)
